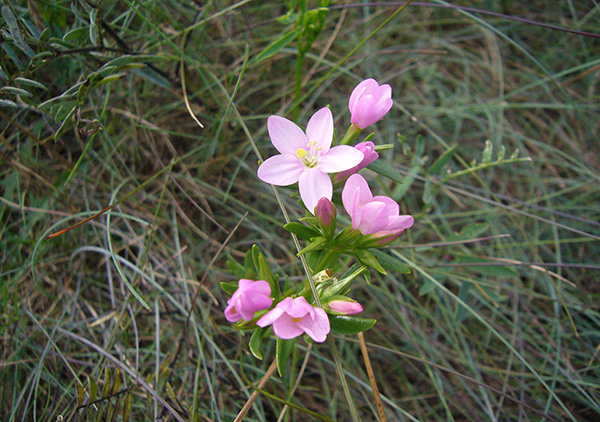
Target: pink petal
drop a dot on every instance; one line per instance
(232, 314)
(320, 129)
(281, 170)
(374, 218)
(318, 327)
(270, 317)
(340, 158)
(400, 222)
(355, 183)
(314, 185)
(285, 135)
(286, 329)
(366, 85)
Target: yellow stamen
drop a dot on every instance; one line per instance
(301, 153)
(296, 319)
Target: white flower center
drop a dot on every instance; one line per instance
(310, 158)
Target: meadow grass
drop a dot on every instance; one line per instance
(121, 318)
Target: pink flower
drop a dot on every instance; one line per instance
(370, 155)
(250, 297)
(306, 158)
(369, 102)
(345, 307)
(370, 214)
(292, 317)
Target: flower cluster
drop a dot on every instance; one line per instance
(319, 163)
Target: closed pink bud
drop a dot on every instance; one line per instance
(325, 212)
(345, 307)
(369, 102)
(370, 155)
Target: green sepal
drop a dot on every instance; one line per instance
(263, 270)
(229, 288)
(366, 257)
(256, 342)
(437, 166)
(302, 231)
(315, 244)
(390, 263)
(346, 324)
(284, 349)
(237, 269)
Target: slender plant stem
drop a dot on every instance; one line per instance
(369, 368)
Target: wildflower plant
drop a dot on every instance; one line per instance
(319, 163)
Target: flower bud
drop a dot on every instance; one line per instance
(369, 102)
(370, 155)
(326, 214)
(344, 307)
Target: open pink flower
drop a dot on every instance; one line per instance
(369, 102)
(250, 297)
(370, 155)
(306, 158)
(379, 215)
(292, 317)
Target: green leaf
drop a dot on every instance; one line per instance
(153, 76)
(302, 231)
(439, 164)
(77, 34)
(487, 152)
(347, 324)
(315, 244)
(390, 263)
(283, 350)
(15, 31)
(237, 269)
(256, 342)
(7, 103)
(229, 288)
(366, 257)
(29, 82)
(276, 46)
(3, 75)
(93, 26)
(463, 295)
(428, 192)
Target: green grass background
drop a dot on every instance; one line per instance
(499, 319)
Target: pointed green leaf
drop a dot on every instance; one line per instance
(487, 152)
(256, 342)
(302, 231)
(366, 257)
(283, 350)
(439, 164)
(316, 244)
(276, 46)
(348, 324)
(127, 407)
(390, 263)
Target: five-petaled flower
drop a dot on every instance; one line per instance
(369, 102)
(306, 158)
(373, 215)
(292, 317)
(250, 297)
